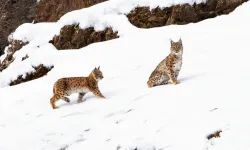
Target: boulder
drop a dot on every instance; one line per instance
(72, 37)
(143, 17)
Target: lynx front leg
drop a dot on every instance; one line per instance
(177, 74)
(80, 96)
(172, 77)
(97, 93)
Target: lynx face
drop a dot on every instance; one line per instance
(97, 74)
(176, 47)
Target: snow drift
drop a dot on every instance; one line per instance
(213, 93)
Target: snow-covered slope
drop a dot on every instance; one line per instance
(213, 93)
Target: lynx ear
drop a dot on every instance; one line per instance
(98, 68)
(171, 41)
(180, 41)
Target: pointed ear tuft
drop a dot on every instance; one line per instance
(180, 41)
(171, 41)
(98, 68)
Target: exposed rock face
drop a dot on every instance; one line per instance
(227, 6)
(142, 17)
(15, 46)
(72, 37)
(216, 134)
(53, 10)
(40, 71)
(182, 14)
(16, 12)
(12, 14)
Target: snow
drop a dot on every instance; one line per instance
(214, 74)
(110, 13)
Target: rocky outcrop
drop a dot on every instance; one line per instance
(227, 6)
(142, 17)
(15, 46)
(53, 10)
(72, 37)
(16, 12)
(215, 134)
(12, 14)
(39, 72)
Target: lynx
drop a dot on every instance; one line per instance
(168, 68)
(67, 86)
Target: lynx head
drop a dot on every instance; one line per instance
(176, 47)
(97, 74)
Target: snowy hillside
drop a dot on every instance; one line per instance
(213, 94)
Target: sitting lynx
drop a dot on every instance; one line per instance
(168, 69)
(67, 86)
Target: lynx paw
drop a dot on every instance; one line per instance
(164, 83)
(175, 82)
(149, 85)
(56, 107)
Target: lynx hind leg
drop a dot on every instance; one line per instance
(66, 99)
(158, 79)
(152, 81)
(53, 100)
(164, 82)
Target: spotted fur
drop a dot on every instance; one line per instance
(168, 68)
(67, 86)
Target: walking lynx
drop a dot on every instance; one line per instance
(67, 86)
(168, 68)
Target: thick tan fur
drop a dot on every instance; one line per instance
(168, 68)
(67, 86)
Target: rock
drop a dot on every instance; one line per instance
(16, 45)
(157, 19)
(14, 13)
(182, 14)
(110, 34)
(40, 71)
(143, 17)
(227, 6)
(72, 37)
(53, 10)
(17, 12)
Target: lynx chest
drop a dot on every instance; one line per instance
(177, 64)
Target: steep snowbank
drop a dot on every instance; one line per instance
(213, 93)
